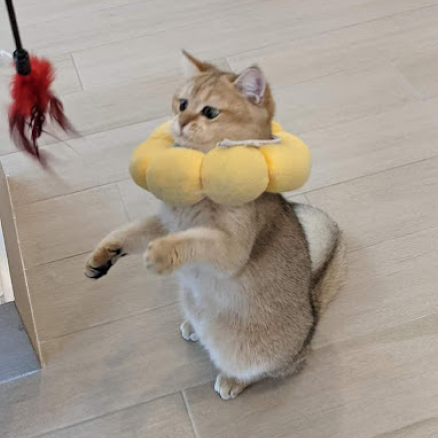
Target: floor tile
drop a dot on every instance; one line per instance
(420, 71)
(66, 75)
(339, 98)
(371, 144)
(422, 429)
(404, 34)
(102, 370)
(395, 36)
(162, 418)
(67, 172)
(306, 59)
(383, 206)
(387, 284)
(341, 389)
(109, 153)
(69, 225)
(139, 202)
(65, 301)
(111, 107)
(75, 165)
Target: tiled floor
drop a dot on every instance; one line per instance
(357, 80)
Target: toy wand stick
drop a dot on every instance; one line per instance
(32, 98)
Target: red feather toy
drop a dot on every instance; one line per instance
(32, 98)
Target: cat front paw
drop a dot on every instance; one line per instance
(102, 259)
(163, 255)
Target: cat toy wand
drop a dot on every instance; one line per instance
(32, 98)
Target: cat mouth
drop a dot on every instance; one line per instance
(180, 141)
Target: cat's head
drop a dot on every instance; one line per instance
(213, 105)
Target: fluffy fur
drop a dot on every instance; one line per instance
(254, 278)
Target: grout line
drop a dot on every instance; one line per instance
(107, 414)
(391, 239)
(190, 414)
(380, 329)
(158, 75)
(29, 268)
(227, 62)
(410, 88)
(88, 135)
(135, 314)
(88, 189)
(73, 60)
(305, 197)
(403, 105)
(400, 431)
(60, 141)
(83, 135)
(389, 169)
(424, 99)
(122, 198)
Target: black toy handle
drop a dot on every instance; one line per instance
(21, 57)
(14, 25)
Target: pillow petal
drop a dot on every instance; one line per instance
(235, 175)
(174, 176)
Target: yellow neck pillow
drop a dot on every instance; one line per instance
(227, 175)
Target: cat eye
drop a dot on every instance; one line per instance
(183, 104)
(210, 112)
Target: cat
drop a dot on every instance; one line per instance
(254, 278)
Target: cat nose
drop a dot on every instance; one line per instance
(185, 119)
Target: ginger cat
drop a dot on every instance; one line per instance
(254, 278)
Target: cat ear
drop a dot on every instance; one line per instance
(252, 84)
(192, 66)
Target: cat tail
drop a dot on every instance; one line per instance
(326, 246)
(328, 281)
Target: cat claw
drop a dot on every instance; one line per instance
(187, 332)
